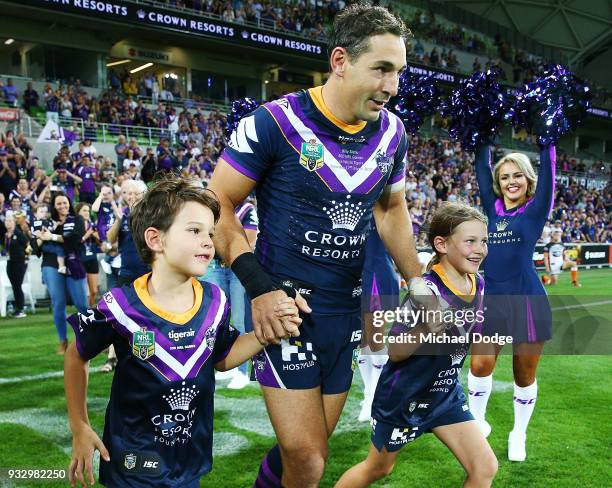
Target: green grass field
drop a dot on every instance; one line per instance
(568, 439)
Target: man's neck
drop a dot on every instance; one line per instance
(333, 97)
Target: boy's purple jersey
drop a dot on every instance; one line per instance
(317, 186)
(159, 420)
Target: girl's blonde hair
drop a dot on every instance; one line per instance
(524, 165)
(446, 219)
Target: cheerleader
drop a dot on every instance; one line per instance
(517, 204)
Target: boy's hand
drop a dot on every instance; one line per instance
(84, 444)
(287, 310)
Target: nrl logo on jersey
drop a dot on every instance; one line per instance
(143, 344)
(311, 155)
(384, 162)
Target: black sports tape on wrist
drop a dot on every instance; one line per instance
(252, 276)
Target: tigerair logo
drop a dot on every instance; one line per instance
(177, 336)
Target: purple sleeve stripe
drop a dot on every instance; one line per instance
(74, 323)
(396, 178)
(241, 169)
(250, 226)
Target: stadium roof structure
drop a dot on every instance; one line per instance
(580, 29)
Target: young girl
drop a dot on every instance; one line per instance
(517, 204)
(419, 390)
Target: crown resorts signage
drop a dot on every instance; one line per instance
(184, 22)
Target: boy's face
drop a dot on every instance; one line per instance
(372, 79)
(187, 244)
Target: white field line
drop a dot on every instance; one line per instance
(59, 374)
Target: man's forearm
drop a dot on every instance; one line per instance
(230, 240)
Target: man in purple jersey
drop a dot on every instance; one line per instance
(323, 162)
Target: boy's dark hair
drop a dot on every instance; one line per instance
(160, 205)
(354, 26)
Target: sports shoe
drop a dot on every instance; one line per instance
(516, 447)
(239, 381)
(19, 315)
(106, 267)
(575, 284)
(365, 413)
(484, 427)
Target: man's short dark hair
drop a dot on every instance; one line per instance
(160, 205)
(354, 26)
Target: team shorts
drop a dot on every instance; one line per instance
(380, 289)
(325, 355)
(556, 267)
(394, 437)
(526, 318)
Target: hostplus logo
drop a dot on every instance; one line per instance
(174, 427)
(299, 355)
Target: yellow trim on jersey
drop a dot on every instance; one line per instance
(140, 287)
(316, 94)
(439, 270)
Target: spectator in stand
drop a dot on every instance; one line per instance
(120, 150)
(65, 106)
(131, 159)
(68, 231)
(16, 244)
(149, 166)
(30, 97)
(91, 243)
(8, 174)
(89, 176)
(11, 93)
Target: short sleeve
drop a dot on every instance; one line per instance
(93, 332)
(397, 178)
(226, 336)
(253, 145)
(249, 219)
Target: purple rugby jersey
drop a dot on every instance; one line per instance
(159, 420)
(317, 184)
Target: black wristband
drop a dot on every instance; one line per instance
(252, 276)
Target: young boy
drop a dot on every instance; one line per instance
(169, 332)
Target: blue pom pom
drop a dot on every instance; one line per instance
(476, 110)
(554, 104)
(417, 98)
(240, 109)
